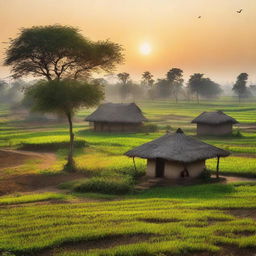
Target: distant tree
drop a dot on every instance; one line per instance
(123, 77)
(163, 88)
(202, 86)
(175, 78)
(147, 79)
(15, 91)
(126, 84)
(3, 86)
(253, 89)
(239, 87)
(58, 52)
(195, 84)
(63, 97)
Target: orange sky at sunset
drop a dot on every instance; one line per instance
(221, 44)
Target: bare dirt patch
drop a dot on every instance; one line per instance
(35, 182)
(244, 213)
(103, 243)
(30, 182)
(10, 158)
(227, 251)
(159, 221)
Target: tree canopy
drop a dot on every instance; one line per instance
(58, 52)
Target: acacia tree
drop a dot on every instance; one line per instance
(63, 97)
(58, 52)
(240, 86)
(175, 78)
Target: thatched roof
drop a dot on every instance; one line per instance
(216, 117)
(177, 147)
(117, 113)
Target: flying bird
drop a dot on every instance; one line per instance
(199, 17)
(239, 11)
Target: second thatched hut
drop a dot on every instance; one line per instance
(214, 123)
(117, 117)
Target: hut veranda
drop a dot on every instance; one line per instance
(214, 123)
(176, 156)
(117, 117)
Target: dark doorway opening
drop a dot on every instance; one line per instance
(160, 163)
(184, 173)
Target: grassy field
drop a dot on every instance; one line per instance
(159, 221)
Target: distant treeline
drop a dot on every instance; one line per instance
(172, 86)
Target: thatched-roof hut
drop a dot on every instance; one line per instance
(117, 117)
(176, 155)
(214, 123)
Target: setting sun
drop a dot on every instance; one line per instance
(145, 49)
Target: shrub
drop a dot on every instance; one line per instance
(238, 134)
(139, 172)
(50, 146)
(168, 128)
(205, 175)
(149, 128)
(117, 184)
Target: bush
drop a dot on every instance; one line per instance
(50, 146)
(168, 128)
(139, 172)
(238, 134)
(149, 128)
(205, 175)
(118, 184)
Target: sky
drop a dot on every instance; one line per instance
(221, 44)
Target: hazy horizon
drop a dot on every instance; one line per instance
(220, 44)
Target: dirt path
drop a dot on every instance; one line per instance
(20, 182)
(12, 158)
(231, 179)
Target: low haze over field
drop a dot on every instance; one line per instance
(156, 35)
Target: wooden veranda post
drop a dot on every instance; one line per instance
(134, 164)
(217, 168)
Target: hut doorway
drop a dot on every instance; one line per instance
(160, 164)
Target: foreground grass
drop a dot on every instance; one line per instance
(170, 220)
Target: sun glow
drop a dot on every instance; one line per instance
(145, 49)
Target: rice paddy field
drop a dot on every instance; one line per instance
(99, 211)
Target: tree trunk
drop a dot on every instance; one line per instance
(70, 166)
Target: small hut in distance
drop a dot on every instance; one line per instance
(214, 123)
(177, 156)
(117, 117)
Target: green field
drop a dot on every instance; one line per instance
(85, 219)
